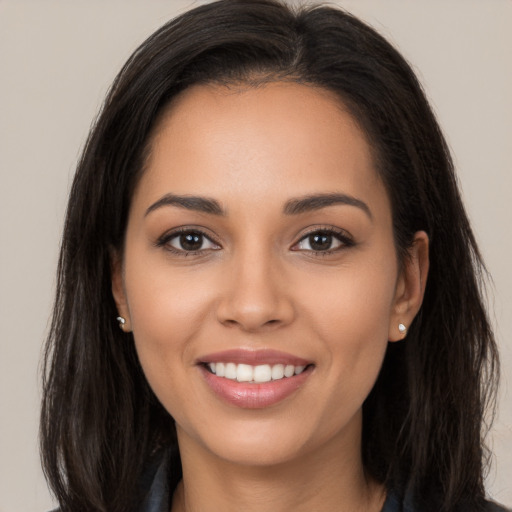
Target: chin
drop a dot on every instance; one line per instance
(266, 442)
(253, 443)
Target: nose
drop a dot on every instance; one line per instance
(255, 295)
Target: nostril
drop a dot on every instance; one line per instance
(230, 322)
(252, 312)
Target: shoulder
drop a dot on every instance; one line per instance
(394, 504)
(154, 490)
(494, 507)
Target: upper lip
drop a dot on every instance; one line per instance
(253, 357)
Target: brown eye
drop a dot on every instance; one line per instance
(190, 241)
(323, 241)
(320, 241)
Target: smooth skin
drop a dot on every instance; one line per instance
(254, 276)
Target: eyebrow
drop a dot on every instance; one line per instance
(294, 206)
(319, 201)
(195, 203)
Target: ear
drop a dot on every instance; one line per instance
(410, 287)
(118, 291)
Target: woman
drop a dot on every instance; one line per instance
(269, 291)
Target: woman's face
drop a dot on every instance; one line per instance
(260, 244)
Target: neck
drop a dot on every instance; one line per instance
(316, 481)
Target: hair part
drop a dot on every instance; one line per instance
(422, 423)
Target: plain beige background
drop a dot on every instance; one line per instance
(57, 59)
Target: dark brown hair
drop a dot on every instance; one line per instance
(422, 423)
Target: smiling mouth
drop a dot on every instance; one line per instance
(257, 374)
(254, 379)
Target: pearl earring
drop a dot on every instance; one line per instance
(121, 321)
(402, 329)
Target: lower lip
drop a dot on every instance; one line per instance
(254, 396)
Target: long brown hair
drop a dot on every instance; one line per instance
(422, 423)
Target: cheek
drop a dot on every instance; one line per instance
(350, 311)
(164, 303)
(352, 324)
(356, 300)
(360, 314)
(168, 308)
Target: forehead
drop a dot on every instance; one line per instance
(278, 139)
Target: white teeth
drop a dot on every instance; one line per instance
(244, 373)
(220, 369)
(277, 371)
(289, 370)
(230, 371)
(262, 373)
(256, 374)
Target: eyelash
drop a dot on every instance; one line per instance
(342, 236)
(165, 239)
